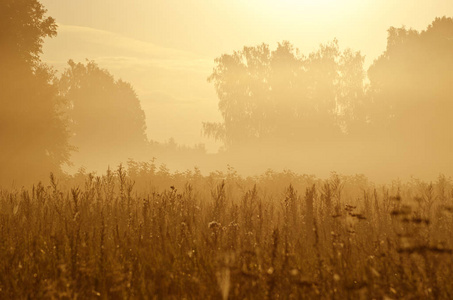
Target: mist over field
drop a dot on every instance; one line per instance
(226, 150)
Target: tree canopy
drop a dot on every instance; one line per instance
(33, 133)
(106, 118)
(412, 89)
(23, 27)
(281, 95)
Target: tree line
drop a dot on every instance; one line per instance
(403, 100)
(266, 97)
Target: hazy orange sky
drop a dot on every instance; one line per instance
(166, 48)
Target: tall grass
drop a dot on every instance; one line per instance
(145, 233)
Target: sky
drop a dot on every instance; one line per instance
(166, 48)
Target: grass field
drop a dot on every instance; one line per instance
(145, 233)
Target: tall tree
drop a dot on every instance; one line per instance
(282, 96)
(106, 118)
(412, 89)
(33, 135)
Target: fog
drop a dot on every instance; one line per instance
(250, 107)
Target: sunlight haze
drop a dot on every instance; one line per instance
(167, 48)
(226, 149)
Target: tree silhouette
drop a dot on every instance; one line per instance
(412, 89)
(32, 131)
(281, 96)
(106, 119)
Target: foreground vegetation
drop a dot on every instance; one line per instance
(145, 233)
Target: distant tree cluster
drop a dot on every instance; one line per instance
(411, 85)
(105, 115)
(324, 98)
(281, 95)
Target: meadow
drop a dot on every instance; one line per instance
(142, 232)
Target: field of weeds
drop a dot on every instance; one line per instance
(145, 233)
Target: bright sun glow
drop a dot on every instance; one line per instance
(322, 9)
(314, 5)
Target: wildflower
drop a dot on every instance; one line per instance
(214, 225)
